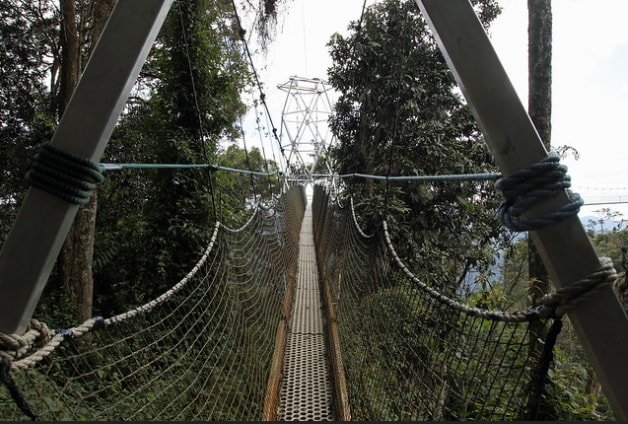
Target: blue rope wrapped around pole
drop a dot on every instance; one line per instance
(529, 186)
(65, 175)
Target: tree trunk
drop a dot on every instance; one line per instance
(76, 257)
(101, 10)
(76, 260)
(540, 110)
(593, 386)
(69, 71)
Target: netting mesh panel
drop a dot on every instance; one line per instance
(204, 353)
(407, 356)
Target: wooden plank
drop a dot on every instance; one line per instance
(43, 221)
(567, 253)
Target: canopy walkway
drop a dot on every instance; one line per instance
(299, 314)
(306, 392)
(254, 332)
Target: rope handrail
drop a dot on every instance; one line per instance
(488, 176)
(180, 355)
(555, 304)
(213, 167)
(246, 224)
(97, 322)
(46, 341)
(355, 222)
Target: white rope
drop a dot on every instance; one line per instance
(355, 222)
(555, 304)
(14, 346)
(246, 224)
(177, 287)
(57, 337)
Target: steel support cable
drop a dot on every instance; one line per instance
(488, 176)
(198, 109)
(261, 142)
(391, 153)
(248, 163)
(241, 33)
(213, 167)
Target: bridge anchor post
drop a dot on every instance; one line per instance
(600, 322)
(44, 220)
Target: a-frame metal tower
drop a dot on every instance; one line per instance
(305, 135)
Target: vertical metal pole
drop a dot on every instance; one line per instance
(44, 220)
(567, 253)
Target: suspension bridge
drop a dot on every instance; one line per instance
(299, 314)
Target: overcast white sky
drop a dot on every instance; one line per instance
(590, 77)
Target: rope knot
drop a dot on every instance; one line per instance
(566, 298)
(15, 346)
(528, 187)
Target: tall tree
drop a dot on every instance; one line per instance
(76, 256)
(540, 111)
(190, 100)
(398, 114)
(39, 56)
(196, 103)
(26, 53)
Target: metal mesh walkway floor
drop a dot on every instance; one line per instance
(306, 391)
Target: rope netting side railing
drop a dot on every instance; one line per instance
(412, 353)
(201, 351)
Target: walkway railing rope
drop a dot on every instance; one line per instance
(201, 351)
(411, 352)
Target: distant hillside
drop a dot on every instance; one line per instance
(607, 225)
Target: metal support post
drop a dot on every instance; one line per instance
(44, 220)
(567, 253)
(304, 121)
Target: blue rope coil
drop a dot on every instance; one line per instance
(528, 187)
(65, 175)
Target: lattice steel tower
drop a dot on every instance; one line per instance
(305, 136)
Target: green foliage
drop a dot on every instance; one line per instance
(153, 225)
(409, 357)
(572, 391)
(567, 398)
(398, 114)
(25, 56)
(239, 192)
